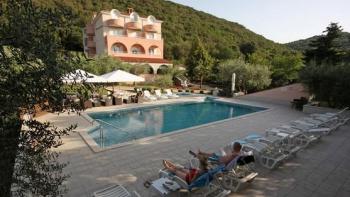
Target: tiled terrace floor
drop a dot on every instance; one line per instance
(322, 170)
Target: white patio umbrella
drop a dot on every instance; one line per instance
(80, 76)
(121, 76)
(233, 83)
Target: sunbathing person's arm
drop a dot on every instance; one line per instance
(227, 158)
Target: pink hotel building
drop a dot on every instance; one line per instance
(129, 37)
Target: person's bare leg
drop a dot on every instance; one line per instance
(170, 166)
(204, 153)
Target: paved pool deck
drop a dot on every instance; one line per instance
(321, 170)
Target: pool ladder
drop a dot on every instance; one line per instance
(116, 128)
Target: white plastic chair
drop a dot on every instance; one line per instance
(170, 94)
(159, 95)
(114, 191)
(148, 96)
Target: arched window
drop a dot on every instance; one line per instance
(153, 50)
(115, 14)
(163, 69)
(119, 48)
(134, 17)
(137, 49)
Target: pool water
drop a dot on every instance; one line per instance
(125, 125)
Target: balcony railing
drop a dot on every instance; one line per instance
(149, 28)
(115, 23)
(134, 25)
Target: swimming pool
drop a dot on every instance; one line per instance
(129, 124)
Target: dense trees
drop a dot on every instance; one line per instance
(327, 69)
(329, 82)
(103, 64)
(247, 49)
(199, 62)
(249, 77)
(325, 48)
(285, 69)
(181, 26)
(32, 61)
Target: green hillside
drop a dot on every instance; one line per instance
(303, 45)
(181, 25)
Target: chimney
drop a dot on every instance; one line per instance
(130, 10)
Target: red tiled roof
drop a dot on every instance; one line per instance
(144, 60)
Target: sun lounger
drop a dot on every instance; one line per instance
(204, 184)
(159, 95)
(267, 156)
(279, 142)
(237, 173)
(309, 127)
(332, 123)
(340, 114)
(170, 94)
(114, 191)
(297, 137)
(148, 96)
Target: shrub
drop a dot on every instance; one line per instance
(164, 81)
(141, 69)
(329, 83)
(249, 77)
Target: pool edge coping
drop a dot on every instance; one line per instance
(90, 142)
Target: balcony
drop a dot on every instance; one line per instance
(115, 23)
(90, 30)
(134, 25)
(91, 44)
(149, 28)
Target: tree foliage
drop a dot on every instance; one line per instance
(249, 77)
(328, 82)
(181, 25)
(325, 48)
(32, 61)
(285, 69)
(327, 71)
(247, 49)
(103, 64)
(199, 62)
(37, 171)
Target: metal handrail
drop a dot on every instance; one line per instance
(112, 126)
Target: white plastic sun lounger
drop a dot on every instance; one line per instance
(148, 96)
(267, 156)
(202, 186)
(332, 123)
(235, 176)
(159, 95)
(279, 142)
(315, 125)
(308, 130)
(170, 94)
(331, 114)
(114, 191)
(297, 137)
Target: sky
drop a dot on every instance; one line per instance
(279, 20)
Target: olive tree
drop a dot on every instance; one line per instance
(249, 77)
(32, 63)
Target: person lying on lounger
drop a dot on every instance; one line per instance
(189, 175)
(236, 151)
